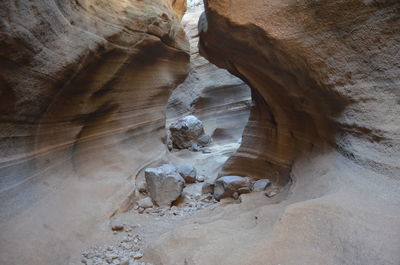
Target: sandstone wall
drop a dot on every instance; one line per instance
(324, 76)
(323, 72)
(84, 86)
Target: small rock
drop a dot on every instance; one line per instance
(170, 145)
(188, 173)
(271, 193)
(117, 224)
(195, 148)
(141, 210)
(207, 188)
(138, 255)
(204, 140)
(145, 203)
(200, 178)
(141, 186)
(206, 151)
(261, 184)
(226, 186)
(124, 261)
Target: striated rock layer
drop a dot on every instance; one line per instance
(84, 86)
(324, 75)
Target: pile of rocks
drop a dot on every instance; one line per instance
(164, 186)
(234, 186)
(128, 252)
(188, 133)
(189, 206)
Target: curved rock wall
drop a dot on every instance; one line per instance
(84, 86)
(325, 74)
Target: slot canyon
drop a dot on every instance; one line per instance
(174, 132)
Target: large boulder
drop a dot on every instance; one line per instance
(164, 184)
(228, 185)
(188, 133)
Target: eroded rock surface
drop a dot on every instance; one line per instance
(83, 88)
(324, 78)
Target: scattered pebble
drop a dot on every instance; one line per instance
(127, 252)
(200, 178)
(272, 192)
(117, 224)
(189, 205)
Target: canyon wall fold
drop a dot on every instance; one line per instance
(324, 79)
(324, 74)
(84, 85)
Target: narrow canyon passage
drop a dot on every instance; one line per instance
(174, 132)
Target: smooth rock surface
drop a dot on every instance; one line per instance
(164, 183)
(261, 185)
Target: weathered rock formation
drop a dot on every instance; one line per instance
(324, 77)
(316, 69)
(83, 88)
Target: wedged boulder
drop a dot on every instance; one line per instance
(188, 173)
(188, 133)
(228, 185)
(164, 184)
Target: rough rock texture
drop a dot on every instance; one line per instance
(83, 88)
(164, 183)
(324, 76)
(226, 186)
(188, 132)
